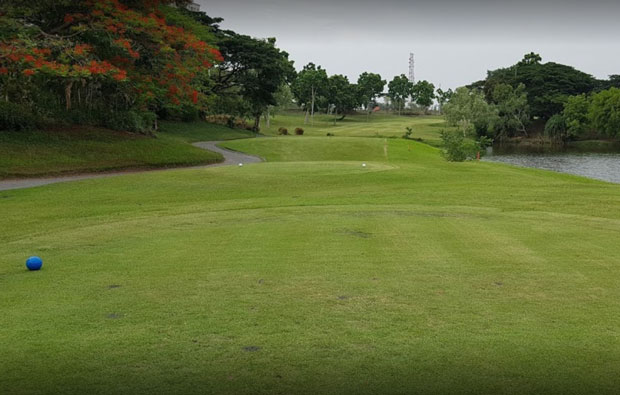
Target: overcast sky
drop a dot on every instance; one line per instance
(455, 41)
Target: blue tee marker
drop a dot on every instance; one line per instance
(34, 263)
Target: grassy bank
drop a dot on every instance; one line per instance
(410, 275)
(84, 149)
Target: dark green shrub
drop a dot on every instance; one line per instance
(330, 135)
(16, 117)
(142, 122)
(604, 112)
(283, 132)
(457, 148)
(184, 113)
(485, 142)
(575, 115)
(299, 132)
(408, 133)
(229, 120)
(131, 121)
(189, 113)
(149, 121)
(78, 116)
(555, 128)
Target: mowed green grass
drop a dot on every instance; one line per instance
(377, 125)
(85, 149)
(314, 275)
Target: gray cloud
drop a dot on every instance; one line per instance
(455, 42)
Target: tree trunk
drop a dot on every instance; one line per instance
(268, 118)
(307, 114)
(256, 127)
(312, 109)
(523, 128)
(68, 89)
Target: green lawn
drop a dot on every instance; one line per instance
(294, 148)
(377, 125)
(84, 149)
(311, 274)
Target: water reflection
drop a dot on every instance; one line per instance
(600, 166)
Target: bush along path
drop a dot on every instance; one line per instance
(230, 158)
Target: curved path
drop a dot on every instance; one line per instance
(230, 158)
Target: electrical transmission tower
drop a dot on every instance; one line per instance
(411, 68)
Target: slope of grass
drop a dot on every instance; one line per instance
(377, 125)
(84, 149)
(410, 275)
(201, 131)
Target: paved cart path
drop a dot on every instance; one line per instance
(230, 158)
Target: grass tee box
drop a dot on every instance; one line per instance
(412, 275)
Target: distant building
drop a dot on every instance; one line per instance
(193, 7)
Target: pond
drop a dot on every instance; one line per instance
(603, 166)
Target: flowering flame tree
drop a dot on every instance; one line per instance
(104, 55)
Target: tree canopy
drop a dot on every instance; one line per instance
(311, 82)
(443, 97)
(253, 68)
(573, 103)
(604, 112)
(470, 112)
(399, 89)
(575, 115)
(423, 94)
(104, 56)
(370, 86)
(512, 110)
(342, 95)
(546, 84)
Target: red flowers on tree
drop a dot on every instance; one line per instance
(103, 48)
(82, 49)
(174, 52)
(120, 75)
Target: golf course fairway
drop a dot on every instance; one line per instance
(310, 273)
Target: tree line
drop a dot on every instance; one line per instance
(314, 90)
(125, 64)
(532, 97)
